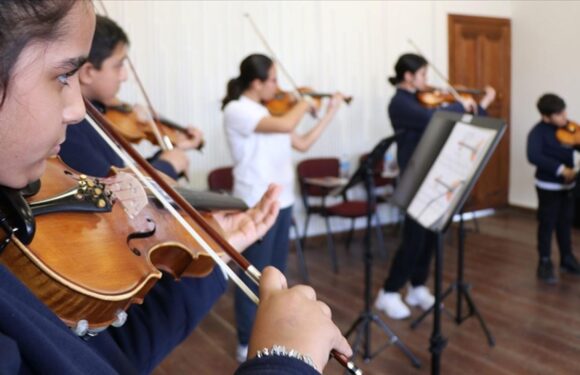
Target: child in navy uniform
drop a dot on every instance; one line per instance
(555, 180)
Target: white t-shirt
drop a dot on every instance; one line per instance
(259, 158)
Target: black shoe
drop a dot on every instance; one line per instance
(546, 272)
(570, 264)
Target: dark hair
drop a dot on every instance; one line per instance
(408, 62)
(253, 67)
(548, 104)
(23, 22)
(107, 36)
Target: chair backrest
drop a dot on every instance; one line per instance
(221, 179)
(379, 180)
(316, 167)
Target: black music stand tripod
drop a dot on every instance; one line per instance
(362, 324)
(463, 291)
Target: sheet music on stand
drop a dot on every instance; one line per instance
(445, 166)
(447, 179)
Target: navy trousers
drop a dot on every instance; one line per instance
(272, 250)
(413, 257)
(555, 212)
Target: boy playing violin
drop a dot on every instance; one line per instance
(555, 181)
(101, 77)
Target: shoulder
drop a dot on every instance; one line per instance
(244, 105)
(244, 114)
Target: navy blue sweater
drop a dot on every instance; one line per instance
(407, 113)
(547, 153)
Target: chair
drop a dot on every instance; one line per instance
(222, 180)
(350, 209)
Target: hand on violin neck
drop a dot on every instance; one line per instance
(191, 140)
(177, 158)
(469, 105)
(488, 98)
(295, 319)
(335, 102)
(241, 229)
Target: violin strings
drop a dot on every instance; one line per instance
(169, 207)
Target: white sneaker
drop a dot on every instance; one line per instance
(242, 353)
(420, 296)
(392, 305)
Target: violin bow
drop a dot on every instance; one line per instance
(126, 152)
(452, 89)
(274, 57)
(162, 139)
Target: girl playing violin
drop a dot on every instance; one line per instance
(555, 181)
(101, 78)
(260, 145)
(43, 43)
(406, 113)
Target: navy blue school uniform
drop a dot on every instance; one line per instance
(412, 260)
(555, 196)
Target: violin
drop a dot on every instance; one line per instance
(569, 135)
(118, 257)
(435, 97)
(126, 121)
(283, 101)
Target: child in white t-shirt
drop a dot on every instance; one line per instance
(261, 145)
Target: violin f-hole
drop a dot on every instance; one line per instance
(139, 235)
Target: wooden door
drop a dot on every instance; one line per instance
(479, 55)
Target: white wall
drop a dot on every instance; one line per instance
(545, 51)
(185, 52)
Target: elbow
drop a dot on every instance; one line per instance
(300, 145)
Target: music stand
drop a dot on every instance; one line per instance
(463, 291)
(438, 179)
(365, 174)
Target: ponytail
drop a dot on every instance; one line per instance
(253, 67)
(235, 89)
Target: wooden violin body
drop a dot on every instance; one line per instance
(90, 264)
(126, 121)
(569, 134)
(283, 101)
(435, 97)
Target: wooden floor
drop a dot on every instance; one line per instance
(536, 326)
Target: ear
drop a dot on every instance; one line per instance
(256, 84)
(87, 73)
(408, 76)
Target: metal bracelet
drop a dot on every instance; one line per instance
(280, 350)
